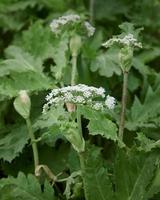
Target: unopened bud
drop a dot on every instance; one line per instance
(75, 45)
(22, 104)
(125, 58)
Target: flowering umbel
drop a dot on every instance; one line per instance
(127, 45)
(71, 21)
(127, 40)
(80, 94)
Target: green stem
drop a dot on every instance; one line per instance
(79, 121)
(34, 144)
(91, 11)
(74, 70)
(124, 101)
(82, 164)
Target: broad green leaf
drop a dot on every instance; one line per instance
(99, 124)
(147, 144)
(24, 187)
(133, 174)
(143, 114)
(106, 63)
(12, 144)
(38, 40)
(96, 182)
(30, 81)
(155, 185)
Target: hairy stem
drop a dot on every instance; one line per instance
(74, 70)
(91, 11)
(34, 145)
(124, 101)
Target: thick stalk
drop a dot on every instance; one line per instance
(82, 164)
(124, 101)
(33, 143)
(81, 154)
(91, 11)
(74, 70)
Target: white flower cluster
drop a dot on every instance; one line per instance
(79, 94)
(110, 102)
(127, 40)
(90, 29)
(56, 24)
(61, 21)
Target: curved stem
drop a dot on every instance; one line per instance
(74, 70)
(91, 11)
(124, 101)
(34, 144)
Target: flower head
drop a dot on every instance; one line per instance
(78, 94)
(57, 25)
(110, 102)
(127, 40)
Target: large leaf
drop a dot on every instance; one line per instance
(144, 114)
(12, 144)
(106, 63)
(24, 188)
(97, 184)
(39, 41)
(133, 174)
(105, 127)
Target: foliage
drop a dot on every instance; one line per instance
(80, 145)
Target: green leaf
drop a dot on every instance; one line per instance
(147, 144)
(96, 182)
(24, 188)
(133, 174)
(155, 185)
(105, 127)
(60, 57)
(12, 144)
(106, 63)
(38, 41)
(144, 114)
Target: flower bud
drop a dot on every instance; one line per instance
(22, 104)
(125, 58)
(75, 45)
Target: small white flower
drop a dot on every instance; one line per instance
(101, 91)
(110, 102)
(90, 29)
(80, 99)
(87, 94)
(97, 106)
(128, 40)
(56, 24)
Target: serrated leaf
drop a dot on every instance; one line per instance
(24, 188)
(143, 114)
(106, 63)
(39, 41)
(13, 143)
(96, 182)
(105, 127)
(147, 144)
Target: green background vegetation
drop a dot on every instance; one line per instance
(32, 59)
